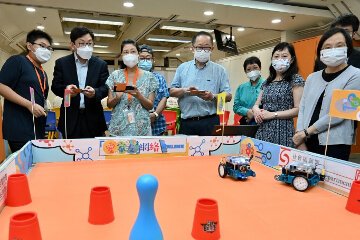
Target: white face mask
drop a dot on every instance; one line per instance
(333, 57)
(202, 56)
(280, 65)
(42, 54)
(253, 75)
(85, 52)
(130, 60)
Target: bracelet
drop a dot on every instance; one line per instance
(276, 115)
(156, 115)
(306, 133)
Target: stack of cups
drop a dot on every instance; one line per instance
(100, 209)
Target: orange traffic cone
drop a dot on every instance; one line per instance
(18, 192)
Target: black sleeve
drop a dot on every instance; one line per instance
(10, 72)
(319, 65)
(58, 86)
(102, 90)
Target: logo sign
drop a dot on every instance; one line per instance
(67, 98)
(32, 96)
(210, 226)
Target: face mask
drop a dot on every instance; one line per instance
(333, 57)
(145, 65)
(280, 65)
(253, 75)
(85, 52)
(42, 54)
(202, 56)
(130, 60)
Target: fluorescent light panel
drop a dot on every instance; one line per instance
(162, 38)
(185, 27)
(106, 20)
(97, 33)
(161, 49)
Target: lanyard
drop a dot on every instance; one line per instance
(127, 81)
(43, 86)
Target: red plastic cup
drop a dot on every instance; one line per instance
(353, 203)
(18, 191)
(206, 220)
(100, 209)
(24, 226)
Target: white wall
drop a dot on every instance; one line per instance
(237, 76)
(3, 57)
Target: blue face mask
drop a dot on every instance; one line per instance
(145, 65)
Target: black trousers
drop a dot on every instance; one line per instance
(339, 151)
(202, 127)
(81, 127)
(15, 145)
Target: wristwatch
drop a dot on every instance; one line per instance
(214, 98)
(156, 115)
(276, 115)
(306, 133)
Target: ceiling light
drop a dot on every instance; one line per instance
(128, 4)
(40, 27)
(178, 54)
(161, 49)
(276, 20)
(56, 43)
(97, 33)
(87, 18)
(30, 9)
(208, 13)
(162, 38)
(100, 45)
(185, 27)
(240, 29)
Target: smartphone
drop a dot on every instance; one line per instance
(120, 87)
(201, 91)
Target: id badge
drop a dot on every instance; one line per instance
(130, 116)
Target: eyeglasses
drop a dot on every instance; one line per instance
(146, 59)
(43, 46)
(199, 49)
(90, 44)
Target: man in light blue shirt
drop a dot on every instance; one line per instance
(247, 93)
(196, 84)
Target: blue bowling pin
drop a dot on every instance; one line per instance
(146, 226)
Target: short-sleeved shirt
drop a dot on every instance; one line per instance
(19, 74)
(119, 124)
(246, 96)
(212, 77)
(159, 125)
(278, 96)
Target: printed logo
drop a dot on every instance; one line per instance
(210, 226)
(284, 158)
(357, 174)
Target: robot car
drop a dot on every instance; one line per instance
(237, 167)
(300, 175)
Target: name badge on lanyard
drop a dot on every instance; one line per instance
(42, 85)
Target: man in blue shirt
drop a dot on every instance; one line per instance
(18, 74)
(196, 84)
(158, 122)
(247, 93)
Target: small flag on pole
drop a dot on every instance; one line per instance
(221, 103)
(345, 104)
(67, 98)
(32, 96)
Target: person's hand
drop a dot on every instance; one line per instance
(299, 138)
(268, 115)
(37, 110)
(71, 87)
(302, 147)
(152, 118)
(90, 92)
(135, 93)
(249, 115)
(258, 115)
(207, 95)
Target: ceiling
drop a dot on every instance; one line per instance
(301, 18)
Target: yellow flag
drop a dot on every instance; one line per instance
(345, 104)
(221, 103)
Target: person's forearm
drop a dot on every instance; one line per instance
(146, 103)
(177, 92)
(111, 102)
(228, 97)
(291, 113)
(161, 106)
(12, 96)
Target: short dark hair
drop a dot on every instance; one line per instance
(347, 19)
(78, 32)
(331, 32)
(37, 34)
(129, 41)
(252, 60)
(202, 33)
(293, 69)
(146, 48)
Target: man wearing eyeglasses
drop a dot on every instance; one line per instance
(17, 76)
(350, 23)
(81, 70)
(196, 84)
(146, 62)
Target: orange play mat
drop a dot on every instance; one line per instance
(256, 208)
